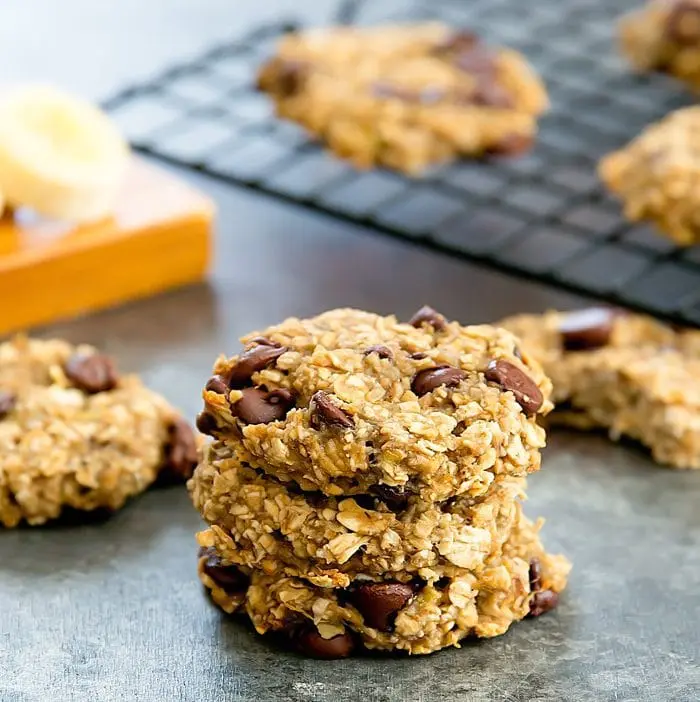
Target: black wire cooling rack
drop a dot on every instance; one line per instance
(543, 216)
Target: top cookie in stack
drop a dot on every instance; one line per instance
(353, 403)
(364, 482)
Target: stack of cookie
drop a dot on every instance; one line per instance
(364, 480)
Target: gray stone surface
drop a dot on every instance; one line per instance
(113, 612)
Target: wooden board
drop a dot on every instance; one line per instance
(158, 238)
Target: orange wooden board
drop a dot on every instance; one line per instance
(158, 238)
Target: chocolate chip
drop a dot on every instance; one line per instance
(228, 578)
(180, 451)
(510, 377)
(7, 403)
(261, 406)
(543, 602)
(217, 384)
(310, 643)
(91, 373)
(458, 42)
(419, 355)
(206, 423)
(323, 411)
(393, 496)
(379, 603)
(290, 77)
(587, 329)
(683, 23)
(442, 583)
(478, 61)
(535, 575)
(512, 144)
(427, 315)
(381, 351)
(365, 501)
(427, 380)
(253, 360)
(490, 94)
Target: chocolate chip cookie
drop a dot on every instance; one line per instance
(353, 403)
(75, 434)
(656, 176)
(415, 614)
(407, 96)
(261, 523)
(664, 35)
(363, 486)
(625, 372)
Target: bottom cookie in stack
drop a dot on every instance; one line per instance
(335, 574)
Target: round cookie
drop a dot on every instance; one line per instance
(414, 616)
(75, 434)
(350, 402)
(405, 96)
(260, 523)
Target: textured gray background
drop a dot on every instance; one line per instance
(113, 611)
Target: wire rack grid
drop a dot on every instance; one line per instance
(544, 216)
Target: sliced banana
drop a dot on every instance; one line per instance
(59, 155)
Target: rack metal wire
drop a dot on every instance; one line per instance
(544, 216)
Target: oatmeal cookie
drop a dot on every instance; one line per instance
(416, 616)
(664, 35)
(261, 523)
(657, 175)
(405, 96)
(75, 434)
(353, 403)
(628, 373)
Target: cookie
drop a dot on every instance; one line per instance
(417, 616)
(405, 97)
(664, 35)
(350, 402)
(75, 434)
(656, 176)
(627, 373)
(261, 523)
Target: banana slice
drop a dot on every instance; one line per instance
(59, 155)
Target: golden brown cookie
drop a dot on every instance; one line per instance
(75, 434)
(628, 373)
(407, 96)
(350, 402)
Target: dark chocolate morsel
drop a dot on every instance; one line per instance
(91, 373)
(251, 361)
(218, 384)
(310, 643)
(261, 406)
(427, 380)
(7, 403)
(542, 602)
(180, 451)
(535, 575)
(512, 378)
(381, 351)
(427, 315)
(587, 329)
(324, 412)
(379, 603)
(229, 578)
